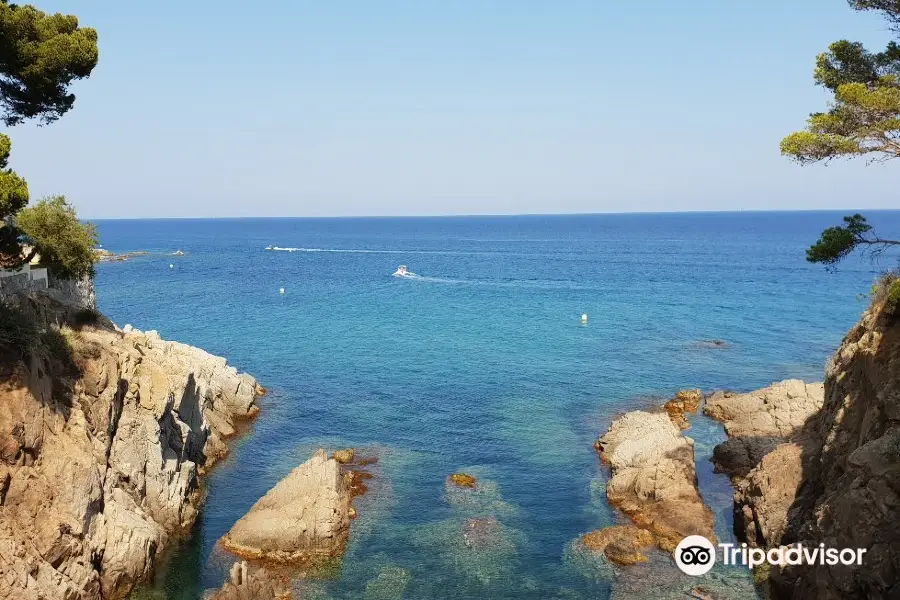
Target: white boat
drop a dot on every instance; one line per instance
(402, 272)
(269, 247)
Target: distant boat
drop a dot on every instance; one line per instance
(403, 272)
(178, 253)
(269, 247)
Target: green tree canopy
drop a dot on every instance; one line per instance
(65, 244)
(40, 56)
(863, 120)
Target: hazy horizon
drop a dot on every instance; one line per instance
(212, 110)
(476, 215)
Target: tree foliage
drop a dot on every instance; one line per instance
(65, 244)
(40, 56)
(890, 9)
(837, 242)
(863, 120)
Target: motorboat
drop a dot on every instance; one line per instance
(403, 272)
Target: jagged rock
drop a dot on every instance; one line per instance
(98, 470)
(738, 456)
(778, 410)
(622, 544)
(305, 516)
(246, 582)
(654, 480)
(850, 496)
(685, 401)
(763, 453)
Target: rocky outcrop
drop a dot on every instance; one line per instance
(654, 480)
(781, 409)
(685, 401)
(763, 453)
(100, 465)
(850, 496)
(306, 516)
(825, 471)
(248, 582)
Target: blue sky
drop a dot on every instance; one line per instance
(467, 107)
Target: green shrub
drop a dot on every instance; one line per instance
(887, 288)
(893, 293)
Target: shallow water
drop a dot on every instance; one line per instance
(479, 364)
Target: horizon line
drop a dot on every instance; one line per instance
(487, 215)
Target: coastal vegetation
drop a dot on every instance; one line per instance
(862, 121)
(41, 55)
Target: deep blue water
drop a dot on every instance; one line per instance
(480, 364)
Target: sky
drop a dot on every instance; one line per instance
(296, 108)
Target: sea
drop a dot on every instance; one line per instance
(480, 364)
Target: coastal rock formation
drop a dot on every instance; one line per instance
(305, 516)
(763, 453)
(850, 497)
(685, 401)
(778, 410)
(654, 480)
(100, 463)
(622, 544)
(831, 474)
(246, 582)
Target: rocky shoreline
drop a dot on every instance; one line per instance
(101, 458)
(811, 464)
(102, 455)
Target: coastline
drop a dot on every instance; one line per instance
(112, 453)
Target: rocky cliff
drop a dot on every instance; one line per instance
(101, 453)
(828, 472)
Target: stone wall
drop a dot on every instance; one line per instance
(70, 292)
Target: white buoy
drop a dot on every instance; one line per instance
(281, 290)
(584, 319)
(171, 266)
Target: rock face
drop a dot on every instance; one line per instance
(305, 516)
(826, 472)
(99, 468)
(654, 480)
(763, 453)
(781, 409)
(850, 496)
(246, 582)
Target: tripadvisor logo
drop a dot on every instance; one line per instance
(696, 555)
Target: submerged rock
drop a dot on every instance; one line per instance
(715, 344)
(305, 516)
(654, 480)
(389, 584)
(463, 480)
(622, 544)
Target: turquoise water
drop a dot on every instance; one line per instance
(480, 364)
